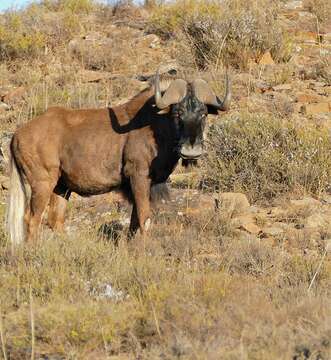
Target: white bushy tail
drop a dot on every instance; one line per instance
(15, 205)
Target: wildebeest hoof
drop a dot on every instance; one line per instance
(147, 224)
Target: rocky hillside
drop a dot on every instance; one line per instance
(237, 264)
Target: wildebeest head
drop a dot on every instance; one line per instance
(189, 104)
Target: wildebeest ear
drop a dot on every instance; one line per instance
(164, 111)
(212, 110)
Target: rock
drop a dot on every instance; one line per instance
(305, 97)
(326, 199)
(326, 38)
(251, 228)
(262, 86)
(4, 182)
(152, 41)
(234, 204)
(315, 221)
(318, 108)
(294, 5)
(274, 230)
(88, 76)
(266, 59)
(298, 107)
(326, 91)
(282, 87)
(307, 37)
(316, 85)
(328, 245)
(169, 69)
(91, 40)
(4, 107)
(305, 202)
(247, 223)
(14, 95)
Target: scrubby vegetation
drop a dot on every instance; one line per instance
(190, 295)
(265, 156)
(211, 281)
(216, 32)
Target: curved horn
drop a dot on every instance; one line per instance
(174, 94)
(204, 94)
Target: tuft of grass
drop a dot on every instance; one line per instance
(182, 297)
(265, 156)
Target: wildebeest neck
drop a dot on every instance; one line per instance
(127, 117)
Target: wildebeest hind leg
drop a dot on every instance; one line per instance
(40, 195)
(57, 208)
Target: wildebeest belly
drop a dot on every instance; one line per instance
(91, 167)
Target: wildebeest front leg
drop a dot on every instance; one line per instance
(140, 186)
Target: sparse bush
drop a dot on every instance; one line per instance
(30, 33)
(17, 40)
(220, 31)
(75, 6)
(265, 156)
(321, 8)
(321, 70)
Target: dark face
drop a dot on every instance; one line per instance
(190, 117)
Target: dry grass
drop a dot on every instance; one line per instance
(190, 294)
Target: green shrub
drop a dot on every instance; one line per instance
(31, 32)
(264, 156)
(17, 40)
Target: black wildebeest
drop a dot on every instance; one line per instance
(130, 147)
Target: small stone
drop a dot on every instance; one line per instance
(305, 202)
(326, 199)
(308, 98)
(232, 203)
(14, 95)
(247, 223)
(262, 86)
(328, 245)
(294, 5)
(316, 220)
(88, 76)
(4, 182)
(251, 228)
(312, 109)
(273, 230)
(282, 87)
(4, 107)
(266, 59)
(152, 41)
(316, 84)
